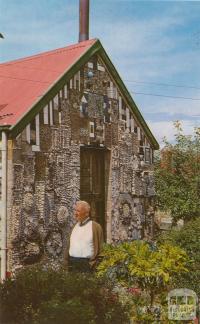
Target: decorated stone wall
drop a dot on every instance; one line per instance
(44, 168)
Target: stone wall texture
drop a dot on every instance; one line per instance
(44, 169)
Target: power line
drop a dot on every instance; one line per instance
(165, 96)
(137, 93)
(161, 95)
(163, 84)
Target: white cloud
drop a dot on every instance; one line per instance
(166, 129)
(189, 108)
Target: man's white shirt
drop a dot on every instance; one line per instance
(81, 241)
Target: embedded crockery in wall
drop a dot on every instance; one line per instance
(40, 166)
(95, 106)
(51, 171)
(115, 184)
(74, 182)
(125, 213)
(121, 130)
(150, 215)
(107, 110)
(16, 222)
(75, 107)
(75, 122)
(115, 223)
(84, 106)
(99, 132)
(75, 155)
(134, 162)
(127, 180)
(17, 155)
(121, 178)
(60, 170)
(30, 217)
(54, 244)
(62, 215)
(66, 137)
(31, 229)
(55, 136)
(31, 252)
(115, 158)
(65, 115)
(18, 176)
(129, 219)
(39, 198)
(47, 210)
(29, 169)
(114, 111)
(108, 135)
(45, 133)
(151, 186)
(134, 188)
(84, 135)
(114, 134)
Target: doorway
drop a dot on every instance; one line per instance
(92, 182)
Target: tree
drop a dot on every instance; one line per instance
(187, 238)
(138, 263)
(177, 176)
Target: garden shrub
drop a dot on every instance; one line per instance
(38, 295)
(144, 271)
(188, 238)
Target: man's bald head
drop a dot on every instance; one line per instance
(82, 210)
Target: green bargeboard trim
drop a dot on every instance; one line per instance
(55, 88)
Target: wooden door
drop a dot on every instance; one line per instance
(92, 182)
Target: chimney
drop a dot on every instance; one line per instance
(83, 20)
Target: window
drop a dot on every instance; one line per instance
(35, 133)
(51, 104)
(147, 155)
(92, 129)
(46, 115)
(65, 91)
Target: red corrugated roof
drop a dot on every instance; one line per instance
(23, 82)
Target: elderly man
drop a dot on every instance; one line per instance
(85, 241)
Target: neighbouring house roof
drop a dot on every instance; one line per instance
(27, 84)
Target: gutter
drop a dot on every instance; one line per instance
(4, 207)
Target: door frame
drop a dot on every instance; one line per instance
(106, 154)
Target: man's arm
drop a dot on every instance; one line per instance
(97, 241)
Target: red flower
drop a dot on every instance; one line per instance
(134, 290)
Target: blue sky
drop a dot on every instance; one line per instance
(153, 44)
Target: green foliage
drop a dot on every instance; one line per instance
(137, 263)
(177, 176)
(40, 296)
(188, 238)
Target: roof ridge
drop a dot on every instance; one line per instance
(51, 52)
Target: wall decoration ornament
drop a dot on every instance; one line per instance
(62, 215)
(126, 214)
(54, 244)
(31, 252)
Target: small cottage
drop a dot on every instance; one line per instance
(70, 130)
